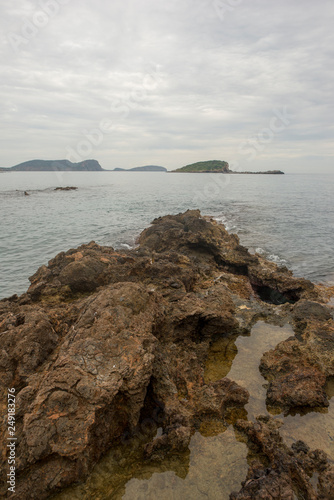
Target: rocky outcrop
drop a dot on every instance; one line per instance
(279, 472)
(299, 367)
(104, 341)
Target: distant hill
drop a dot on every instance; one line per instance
(55, 165)
(146, 168)
(217, 166)
(211, 166)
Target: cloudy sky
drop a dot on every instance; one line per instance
(169, 82)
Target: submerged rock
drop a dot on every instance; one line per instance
(299, 367)
(279, 472)
(107, 342)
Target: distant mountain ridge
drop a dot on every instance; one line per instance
(55, 165)
(145, 168)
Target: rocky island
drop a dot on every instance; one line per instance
(106, 343)
(55, 165)
(217, 167)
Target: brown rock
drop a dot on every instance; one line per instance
(306, 309)
(299, 367)
(277, 472)
(105, 345)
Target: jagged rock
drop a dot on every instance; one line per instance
(277, 472)
(299, 367)
(105, 342)
(305, 309)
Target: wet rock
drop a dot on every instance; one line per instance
(82, 276)
(277, 471)
(304, 387)
(305, 309)
(174, 440)
(198, 237)
(107, 344)
(298, 368)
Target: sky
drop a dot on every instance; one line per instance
(169, 83)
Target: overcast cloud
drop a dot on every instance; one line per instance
(169, 82)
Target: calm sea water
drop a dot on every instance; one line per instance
(287, 218)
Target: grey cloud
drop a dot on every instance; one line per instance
(218, 76)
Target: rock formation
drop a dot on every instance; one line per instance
(280, 472)
(103, 339)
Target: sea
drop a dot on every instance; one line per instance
(287, 218)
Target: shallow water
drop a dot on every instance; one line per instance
(244, 368)
(217, 466)
(216, 462)
(315, 428)
(214, 466)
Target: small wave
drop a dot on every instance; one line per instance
(121, 245)
(229, 226)
(125, 246)
(221, 220)
(271, 256)
(277, 259)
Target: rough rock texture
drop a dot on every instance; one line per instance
(278, 472)
(299, 367)
(106, 341)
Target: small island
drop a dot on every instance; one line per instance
(211, 166)
(145, 168)
(216, 167)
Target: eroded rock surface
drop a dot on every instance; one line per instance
(105, 340)
(279, 472)
(299, 367)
